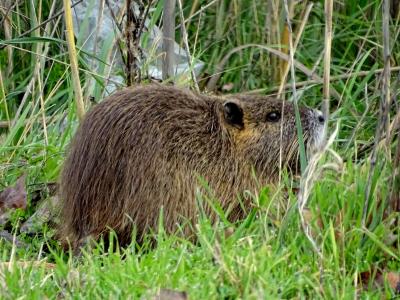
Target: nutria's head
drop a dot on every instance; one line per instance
(265, 131)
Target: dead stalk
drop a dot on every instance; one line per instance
(386, 72)
(284, 40)
(168, 39)
(69, 33)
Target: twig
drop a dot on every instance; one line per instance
(136, 43)
(114, 17)
(185, 41)
(131, 23)
(69, 33)
(144, 18)
(168, 39)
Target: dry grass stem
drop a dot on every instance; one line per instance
(193, 9)
(3, 99)
(69, 33)
(284, 39)
(185, 41)
(296, 42)
(312, 173)
(327, 58)
(303, 159)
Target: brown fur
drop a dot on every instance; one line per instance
(145, 148)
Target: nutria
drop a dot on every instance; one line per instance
(151, 148)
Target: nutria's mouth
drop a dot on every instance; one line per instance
(313, 137)
(315, 132)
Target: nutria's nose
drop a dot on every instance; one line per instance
(320, 116)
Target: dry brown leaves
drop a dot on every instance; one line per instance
(14, 197)
(380, 278)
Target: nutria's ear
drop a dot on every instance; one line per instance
(233, 114)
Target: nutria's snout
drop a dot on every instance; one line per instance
(320, 116)
(318, 131)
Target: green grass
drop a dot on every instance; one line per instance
(266, 256)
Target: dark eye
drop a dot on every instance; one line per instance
(273, 116)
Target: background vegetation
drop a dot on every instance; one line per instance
(349, 247)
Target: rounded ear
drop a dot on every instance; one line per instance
(233, 114)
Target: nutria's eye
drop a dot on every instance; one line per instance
(273, 116)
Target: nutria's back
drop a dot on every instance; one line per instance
(147, 148)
